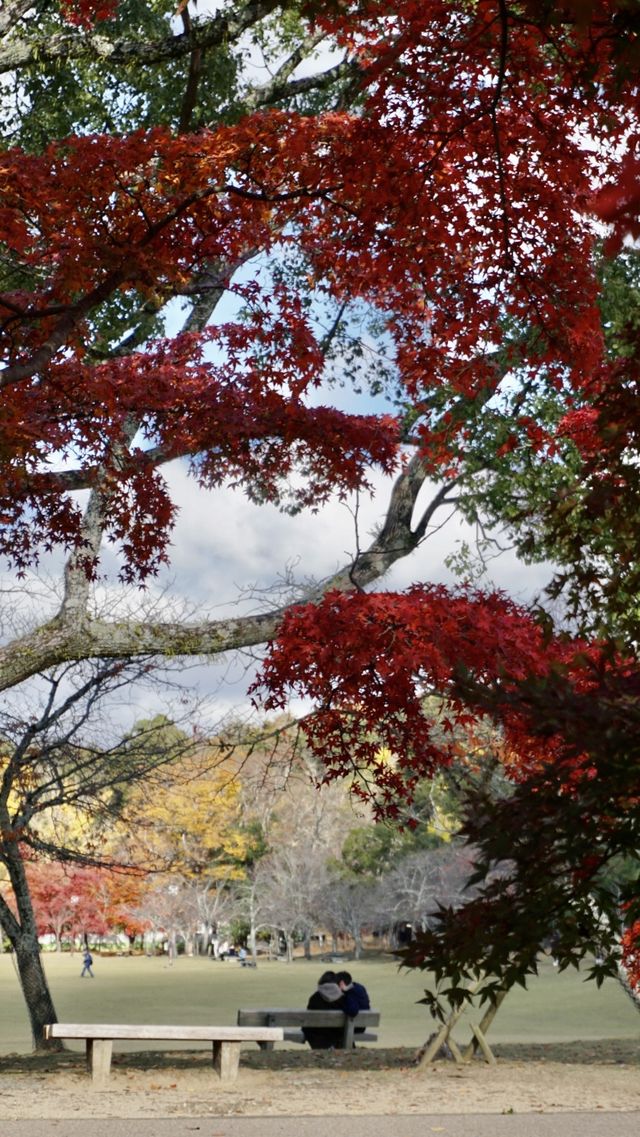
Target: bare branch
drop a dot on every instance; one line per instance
(282, 86)
(74, 635)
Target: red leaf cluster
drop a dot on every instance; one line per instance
(631, 954)
(618, 203)
(383, 673)
(86, 13)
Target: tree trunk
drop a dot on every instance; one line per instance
(23, 936)
(36, 991)
(253, 933)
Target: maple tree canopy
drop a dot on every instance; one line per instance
(456, 200)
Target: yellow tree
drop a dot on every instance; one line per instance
(187, 819)
(186, 823)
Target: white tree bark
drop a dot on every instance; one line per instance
(74, 634)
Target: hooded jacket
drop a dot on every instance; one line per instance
(327, 997)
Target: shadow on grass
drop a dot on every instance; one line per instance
(608, 1051)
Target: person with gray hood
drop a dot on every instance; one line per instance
(327, 997)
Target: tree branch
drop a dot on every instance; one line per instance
(281, 86)
(73, 635)
(221, 28)
(193, 79)
(11, 13)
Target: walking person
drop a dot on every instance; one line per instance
(87, 962)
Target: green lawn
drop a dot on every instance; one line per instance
(556, 1008)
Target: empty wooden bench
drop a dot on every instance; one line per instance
(288, 1017)
(226, 1041)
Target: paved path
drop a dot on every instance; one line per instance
(420, 1125)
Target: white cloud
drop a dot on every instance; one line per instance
(224, 545)
(226, 550)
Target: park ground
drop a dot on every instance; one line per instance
(563, 1045)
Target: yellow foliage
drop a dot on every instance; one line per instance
(187, 817)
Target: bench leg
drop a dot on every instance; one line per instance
(267, 1045)
(99, 1059)
(226, 1060)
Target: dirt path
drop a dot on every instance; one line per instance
(152, 1085)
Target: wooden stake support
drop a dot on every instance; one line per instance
(478, 1040)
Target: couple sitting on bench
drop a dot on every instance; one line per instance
(336, 991)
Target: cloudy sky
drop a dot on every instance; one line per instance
(229, 557)
(227, 554)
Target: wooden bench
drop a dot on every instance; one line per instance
(298, 1017)
(226, 1041)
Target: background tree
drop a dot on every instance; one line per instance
(291, 880)
(187, 817)
(351, 907)
(56, 764)
(167, 909)
(425, 823)
(422, 883)
(118, 895)
(66, 900)
(288, 883)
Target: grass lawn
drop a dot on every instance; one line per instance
(556, 1007)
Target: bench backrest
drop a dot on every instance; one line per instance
(299, 1016)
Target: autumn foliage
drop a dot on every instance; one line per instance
(369, 663)
(631, 953)
(556, 853)
(86, 13)
(457, 202)
(66, 899)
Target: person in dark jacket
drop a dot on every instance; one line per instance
(87, 962)
(327, 997)
(356, 997)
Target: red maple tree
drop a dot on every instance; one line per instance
(456, 203)
(66, 900)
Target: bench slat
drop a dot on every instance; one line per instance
(160, 1033)
(298, 1016)
(294, 1035)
